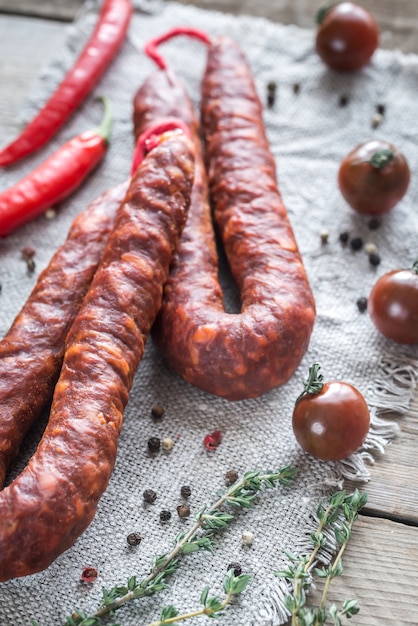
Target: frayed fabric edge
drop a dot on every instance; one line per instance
(395, 389)
(389, 398)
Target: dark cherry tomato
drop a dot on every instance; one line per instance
(347, 36)
(393, 305)
(330, 420)
(374, 177)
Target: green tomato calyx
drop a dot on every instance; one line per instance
(382, 158)
(323, 12)
(314, 383)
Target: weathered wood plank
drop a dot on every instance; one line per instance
(27, 45)
(379, 571)
(393, 488)
(398, 20)
(51, 9)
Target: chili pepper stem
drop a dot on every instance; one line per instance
(103, 130)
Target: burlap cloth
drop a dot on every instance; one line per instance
(310, 132)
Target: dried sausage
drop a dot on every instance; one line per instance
(31, 352)
(46, 508)
(245, 354)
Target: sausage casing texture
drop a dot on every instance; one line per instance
(31, 352)
(234, 355)
(164, 95)
(45, 509)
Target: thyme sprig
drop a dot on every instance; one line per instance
(211, 605)
(208, 521)
(338, 517)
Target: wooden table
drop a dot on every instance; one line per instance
(382, 557)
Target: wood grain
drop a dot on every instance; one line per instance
(397, 19)
(29, 45)
(393, 488)
(380, 565)
(51, 9)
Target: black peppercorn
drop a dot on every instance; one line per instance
(380, 108)
(183, 510)
(362, 304)
(231, 476)
(374, 259)
(154, 444)
(157, 411)
(296, 88)
(236, 567)
(185, 491)
(271, 93)
(134, 539)
(30, 263)
(344, 237)
(356, 243)
(149, 496)
(343, 101)
(165, 515)
(374, 223)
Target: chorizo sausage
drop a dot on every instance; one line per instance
(31, 352)
(233, 355)
(163, 95)
(46, 508)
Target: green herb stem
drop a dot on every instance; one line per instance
(202, 611)
(239, 495)
(339, 515)
(233, 586)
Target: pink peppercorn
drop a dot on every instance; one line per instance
(89, 574)
(212, 441)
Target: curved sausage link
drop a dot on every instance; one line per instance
(45, 509)
(31, 352)
(243, 355)
(164, 95)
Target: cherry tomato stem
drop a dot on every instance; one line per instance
(381, 158)
(314, 382)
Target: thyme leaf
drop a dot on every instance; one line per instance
(339, 515)
(209, 520)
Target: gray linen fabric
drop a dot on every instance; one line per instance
(310, 133)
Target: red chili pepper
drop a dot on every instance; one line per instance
(97, 54)
(55, 178)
